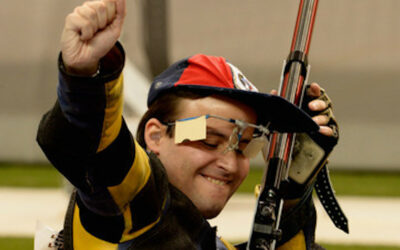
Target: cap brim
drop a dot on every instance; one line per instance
(283, 115)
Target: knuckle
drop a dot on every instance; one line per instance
(85, 23)
(102, 7)
(87, 27)
(87, 3)
(328, 113)
(335, 131)
(102, 12)
(78, 10)
(324, 98)
(92, 14)
(69, 17)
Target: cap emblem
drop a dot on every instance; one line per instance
(240, 81)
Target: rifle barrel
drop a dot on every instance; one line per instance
(265, 232)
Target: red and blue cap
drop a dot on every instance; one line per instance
(214, 75)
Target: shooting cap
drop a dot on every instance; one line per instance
(214, 75)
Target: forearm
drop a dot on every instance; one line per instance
(85, 101)
(85, 120)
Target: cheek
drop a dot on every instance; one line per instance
(193, 160)
(244, 167)
(184, 162)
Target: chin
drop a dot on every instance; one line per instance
(211, 213)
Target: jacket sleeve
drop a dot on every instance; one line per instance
(85, 137)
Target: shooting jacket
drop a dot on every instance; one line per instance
(123, 199)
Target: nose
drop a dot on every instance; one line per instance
(228, 161)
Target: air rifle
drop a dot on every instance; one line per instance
(265, 231)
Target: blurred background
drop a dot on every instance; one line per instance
(354, 55)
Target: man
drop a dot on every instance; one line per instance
(204, 121)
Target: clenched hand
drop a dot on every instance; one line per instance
(90, 31)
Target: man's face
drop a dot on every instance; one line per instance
(208, 176)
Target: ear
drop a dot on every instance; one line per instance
(153, 132)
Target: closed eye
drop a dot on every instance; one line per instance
(208, 144)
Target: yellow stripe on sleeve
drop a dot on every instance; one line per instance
(82, 240)
(228, 245)
(113, 112)
(134, 180)
(298, 242)
(127, 234)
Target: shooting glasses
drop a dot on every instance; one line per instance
(195, 129)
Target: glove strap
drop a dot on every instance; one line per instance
(326, 195)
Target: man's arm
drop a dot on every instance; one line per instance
(88, 114)
(85, 137)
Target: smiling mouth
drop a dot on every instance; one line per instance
(215, 181)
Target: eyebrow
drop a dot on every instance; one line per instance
(215, 132)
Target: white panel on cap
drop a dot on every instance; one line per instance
(240, 81)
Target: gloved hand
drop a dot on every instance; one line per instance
(310, 154)
(318, 105)
(311, 151)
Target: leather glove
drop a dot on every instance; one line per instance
(311, 150)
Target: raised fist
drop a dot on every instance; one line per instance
(90, 31)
